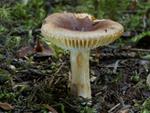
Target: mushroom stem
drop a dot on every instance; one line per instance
(80, 81)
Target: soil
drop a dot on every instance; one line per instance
(118, 81)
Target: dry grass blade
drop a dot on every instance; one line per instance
(114, 108)
(124, 111)
(148, 80)
(51, 109)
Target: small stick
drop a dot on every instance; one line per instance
(136, 49)
(113, 108)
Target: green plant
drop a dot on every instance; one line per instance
(146, 106)
(136, 38)
(87, 109)
(5, 13)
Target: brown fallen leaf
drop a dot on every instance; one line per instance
(133, 5)
(39, 48)
(42, 48)
(6, 106)
(51, 109)
(25, 51)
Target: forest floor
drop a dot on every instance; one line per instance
(40, 84)
(34, 83)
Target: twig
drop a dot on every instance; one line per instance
(72, 106)
(116, 66)
(136, 49)
(113, 108)
(59, 68)
(121, 101)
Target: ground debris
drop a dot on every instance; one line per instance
(6, 106)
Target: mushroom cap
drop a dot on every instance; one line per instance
(79, 30)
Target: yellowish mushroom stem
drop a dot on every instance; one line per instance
(80, 81)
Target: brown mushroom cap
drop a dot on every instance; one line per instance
(73, 30)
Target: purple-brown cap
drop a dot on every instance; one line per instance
(80, 30)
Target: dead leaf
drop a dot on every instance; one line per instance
(45, 52)
(51, 109)
(133, 5)
(40, 48)
(25, 51)
(6, 106)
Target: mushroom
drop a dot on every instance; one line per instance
(80, 32)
